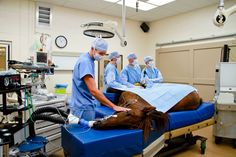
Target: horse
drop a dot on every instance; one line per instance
(142, 113)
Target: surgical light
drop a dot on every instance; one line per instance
(222, 15)
(106, 29)
(103, 30)
(98, 29)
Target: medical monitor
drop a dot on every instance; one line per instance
(41, 58)
(228, 76)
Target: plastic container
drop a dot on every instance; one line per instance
(60, 88)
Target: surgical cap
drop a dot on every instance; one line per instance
(147, 59)
(131, 55)
(114, 54)
(100, 44)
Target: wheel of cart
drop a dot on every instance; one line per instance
(203, 146)
(203, 143)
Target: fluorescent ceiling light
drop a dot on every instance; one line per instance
(159, 2)
(141, 5)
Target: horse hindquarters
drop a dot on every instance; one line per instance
(190, 102)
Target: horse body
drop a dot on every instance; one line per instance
(141, 114)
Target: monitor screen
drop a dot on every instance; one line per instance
(228, 76)
(41, 57)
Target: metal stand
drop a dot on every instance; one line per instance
(182, 142)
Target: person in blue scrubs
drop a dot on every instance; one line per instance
(132, 72)
(112, 78)
(150, 72)
(84, 90)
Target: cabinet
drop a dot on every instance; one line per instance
(225, 126)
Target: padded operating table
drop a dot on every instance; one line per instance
(87, 142)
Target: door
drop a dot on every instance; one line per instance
(193, 64)
(101, 69)
(4, 56)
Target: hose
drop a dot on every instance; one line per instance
(50, 109)
(41, 114)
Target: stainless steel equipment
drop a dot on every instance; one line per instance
(225, 97)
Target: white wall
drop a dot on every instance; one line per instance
(17, 24)
(194, 24)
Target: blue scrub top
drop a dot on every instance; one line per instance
(131, 74)
(152, 73)
(82, 102)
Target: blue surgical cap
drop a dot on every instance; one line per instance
(131, 55)
(114, 54)
(147, 59)
(100, 44)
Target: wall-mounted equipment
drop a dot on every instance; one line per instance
(222, 15)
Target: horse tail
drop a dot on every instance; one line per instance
(146, 125)
(160, 119)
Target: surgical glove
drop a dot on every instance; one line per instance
(143, 81)
(137, 84)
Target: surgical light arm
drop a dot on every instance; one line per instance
(221, 15)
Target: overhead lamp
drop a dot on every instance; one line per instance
(106, 29)
(103, 30)
(222, 14)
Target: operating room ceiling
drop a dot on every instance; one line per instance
(114, 9)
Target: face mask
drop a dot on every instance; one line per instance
(150, 64)
(118, 61)
(97, 57)
(135, 62)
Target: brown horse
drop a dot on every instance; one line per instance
(141, 114)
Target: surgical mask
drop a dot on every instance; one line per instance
(135, 62)
(118, 61)
(151, 64)
(97, 57)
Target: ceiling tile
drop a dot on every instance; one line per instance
(112, 9)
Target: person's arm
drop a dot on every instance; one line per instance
(159, 77)
(90, 82)
(111, 80)
(124, 79)
(124, 75)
